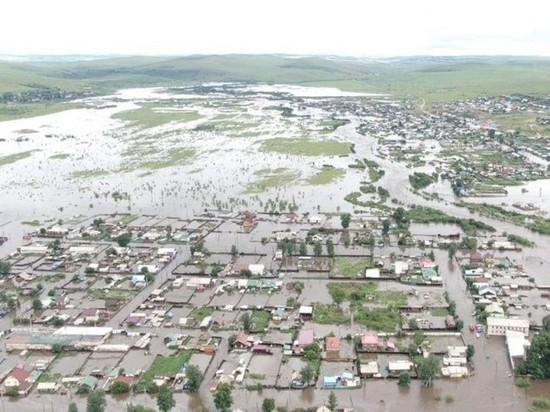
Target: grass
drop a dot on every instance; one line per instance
(379, 319)
(9, 159)
(535, 223)
(270, 178)
(126, 219)
(439, 312)
(31, 222)
(199, 313)
(366, 293)
(28, 110)
(326, 176)
(149, 116)
(60, 156)
(260, 320)
(305, 147)
(330, 315)
(353, 267)
(86, 174)
(175, 157)
(163, 366)
(541, 403)
(421, 214)
(101, 294)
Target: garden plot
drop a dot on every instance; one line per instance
(201, 361)
(288, 369)
(68, 363)
(264, 369)
(101, 363)
(135, 362)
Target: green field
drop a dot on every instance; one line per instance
(150, 116)
(305, 147)
(167, 366)
(60, 156)
(9, 159)
(86, 174)
(326, 176)
(266, 179)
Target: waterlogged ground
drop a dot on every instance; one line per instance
(178, 151)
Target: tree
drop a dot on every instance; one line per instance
(332, 402)
(427, 369)
(345, 220)
(303, 249)
(338, 295)
(72, 407)
(470, 352)
(318, 248)
(223, 398)
(330, 248)
(119, 388)
(124, 239)
(246, 321)
(453, 248)
(459, 324)
(234, 251)
(246, 273)
(231, 341)
(299, 286)
(5, 267)
(404, 379)
(537, 363)
(385, 227)
(36, 304)
(307, 373)
(400, 216)
(469, 243)
(194, 378)
(165, 399)
(96, 402)
(268, 405)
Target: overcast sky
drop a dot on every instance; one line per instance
(342, 27)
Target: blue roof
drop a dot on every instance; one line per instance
(330, 380)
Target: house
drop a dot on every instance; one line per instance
(243, 341)
(450, 322)
(314, 220)
(497, 326)
(517, 345)
(369, 370)
(90, 315)
(264, 349)
(47, 387)
(306, 338)
(87, 384)
(19, 378)
(399, 267)
(426, 262)
(345, 380)
(256, 270)
(397, 367)
(371, 341)
(306, 312)
(332, 348)
(372, 273)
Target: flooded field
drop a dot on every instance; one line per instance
(176, 152)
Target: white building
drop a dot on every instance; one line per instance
(497, 326)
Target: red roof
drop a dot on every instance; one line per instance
(333, 344)
(370, 339)
(126, 379)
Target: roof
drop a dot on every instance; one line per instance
(306, 310)
(516, 343)
(369, 368)
(507, 322)
(47, 386)
(83, 330)
(369, 339)
(20, 374)
(400, 365)
(333, 344)
(89, 381)
(306, 337)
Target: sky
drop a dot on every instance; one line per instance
(359, 28)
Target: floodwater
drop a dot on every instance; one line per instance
(40, 187)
